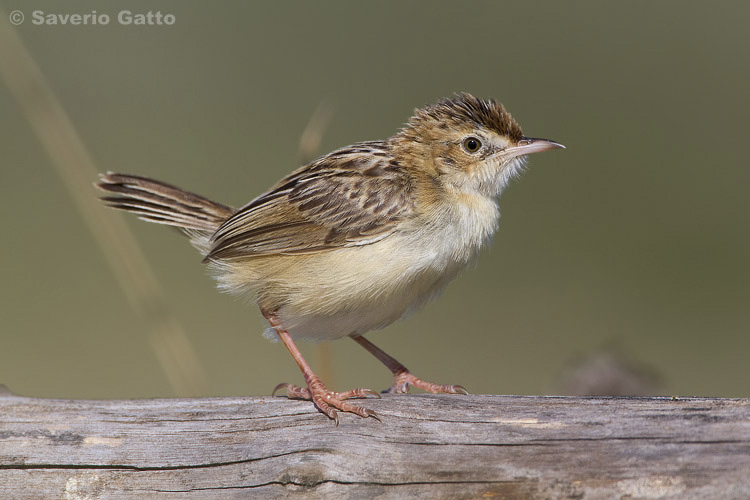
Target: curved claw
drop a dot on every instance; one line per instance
(282, 385)
(459, 389)
(373, 393)
(293, 391)
(374, 415)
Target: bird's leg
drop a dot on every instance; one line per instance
(402, 377)
(326, 401)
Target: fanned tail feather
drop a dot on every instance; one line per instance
(162, 203)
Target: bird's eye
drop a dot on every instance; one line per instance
(472, 144)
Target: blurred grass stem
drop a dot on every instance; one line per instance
(77, 170)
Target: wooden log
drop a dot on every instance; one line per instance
(427, 446)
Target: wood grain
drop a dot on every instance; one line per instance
(428, 446)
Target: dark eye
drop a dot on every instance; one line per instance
(472, 144)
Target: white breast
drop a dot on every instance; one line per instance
(358, 289)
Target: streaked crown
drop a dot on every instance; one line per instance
(463, 111)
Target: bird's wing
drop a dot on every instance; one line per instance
(353, 196)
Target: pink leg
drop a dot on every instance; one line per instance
(326, 401)
(402, 378)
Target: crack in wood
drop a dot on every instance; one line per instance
(308, 486)
(147, 468)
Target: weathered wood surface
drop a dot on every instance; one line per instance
(427, 446)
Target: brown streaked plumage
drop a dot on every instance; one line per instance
(357, 238)
(353, 196)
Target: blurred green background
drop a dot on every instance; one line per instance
(634, 239)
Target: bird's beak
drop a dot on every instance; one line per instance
(529, 145)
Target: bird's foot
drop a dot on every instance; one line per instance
(329, 402)
(404, 379)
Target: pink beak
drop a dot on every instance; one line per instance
(529, 145)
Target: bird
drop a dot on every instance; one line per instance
(359, 237)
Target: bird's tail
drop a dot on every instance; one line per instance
(156, 201)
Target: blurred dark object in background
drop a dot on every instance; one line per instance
(608, 372)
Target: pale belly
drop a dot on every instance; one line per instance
(363, 295)
(353, 290)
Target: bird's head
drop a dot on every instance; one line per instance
(468, 144)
